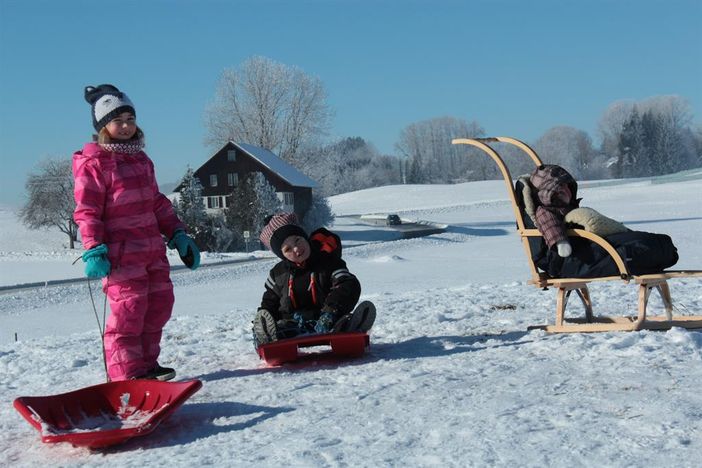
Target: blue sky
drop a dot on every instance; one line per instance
(516, 67)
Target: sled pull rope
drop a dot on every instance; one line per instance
(101, 327)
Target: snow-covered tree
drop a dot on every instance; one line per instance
(433, 159)
(268, 104)
(570, 148)
(220, 236)
(650, 137)
(631, 147)
(191, 208)
(611, 124)
(350, 164)
(251, 201)
(319, 214)
(265, 201)
(50, 201)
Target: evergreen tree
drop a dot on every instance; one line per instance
(236, 214)
(318, 215)
(630, 147)
(652, 137)
(252, 200)
(649, 162)
(415, 175)
(265, 202)
(191, 209)
(220, 236)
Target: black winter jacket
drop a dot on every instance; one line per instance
(323, 283)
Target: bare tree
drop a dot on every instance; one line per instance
(50, 201)
(570, 148)
(431, 156)
(610, 128)
(349, 164)
(268, 104)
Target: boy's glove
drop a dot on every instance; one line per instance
(96, 263)
(187, 249)
(325, 322)
(303, 324)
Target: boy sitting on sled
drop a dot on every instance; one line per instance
(310, 290)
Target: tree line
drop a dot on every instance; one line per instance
(283, 109)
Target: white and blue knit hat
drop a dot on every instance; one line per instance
(107, 103)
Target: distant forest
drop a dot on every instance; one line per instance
(287, 112)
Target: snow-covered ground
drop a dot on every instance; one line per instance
(452, 378)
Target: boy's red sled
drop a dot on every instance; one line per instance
(105, 414)
(348, 344)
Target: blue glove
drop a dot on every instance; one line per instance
(304, 325)
(96, 263)
(187, 249)
(325, 323)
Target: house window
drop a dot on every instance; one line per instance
(232, 179)
(288, 198)
(231, 155)
(213, 180)
(214, 202)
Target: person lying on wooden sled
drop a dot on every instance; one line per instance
(551, 204)
(310, 290)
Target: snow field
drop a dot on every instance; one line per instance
(453, 377)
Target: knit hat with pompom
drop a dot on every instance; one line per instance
(107, 102)
(278, 228)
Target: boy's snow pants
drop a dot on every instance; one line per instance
(141, 300)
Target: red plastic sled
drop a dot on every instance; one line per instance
(350, 344)
(105, 414)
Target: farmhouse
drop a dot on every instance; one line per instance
(234, 161)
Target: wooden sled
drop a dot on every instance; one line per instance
(565, 286)
(105, 414)
(348, 344)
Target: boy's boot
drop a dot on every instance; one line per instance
(361, 318)
(265, 329)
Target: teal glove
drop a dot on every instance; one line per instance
(96, 263)
(187, 249)
(325, 323)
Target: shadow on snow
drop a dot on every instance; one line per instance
(195, 421)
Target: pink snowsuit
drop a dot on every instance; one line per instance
(118, 204)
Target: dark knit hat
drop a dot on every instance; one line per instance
(278, 228)
(107, 103)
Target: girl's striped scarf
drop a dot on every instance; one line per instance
(127, 147)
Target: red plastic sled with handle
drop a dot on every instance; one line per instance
(105, 414)
(348, 344)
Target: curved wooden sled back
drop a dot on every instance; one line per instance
(565, 286)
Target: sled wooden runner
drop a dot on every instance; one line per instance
(565, 286)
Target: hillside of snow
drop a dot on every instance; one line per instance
(453, 377)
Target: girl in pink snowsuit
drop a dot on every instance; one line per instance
(122, 217)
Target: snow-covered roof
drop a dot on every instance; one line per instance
(277, 165)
